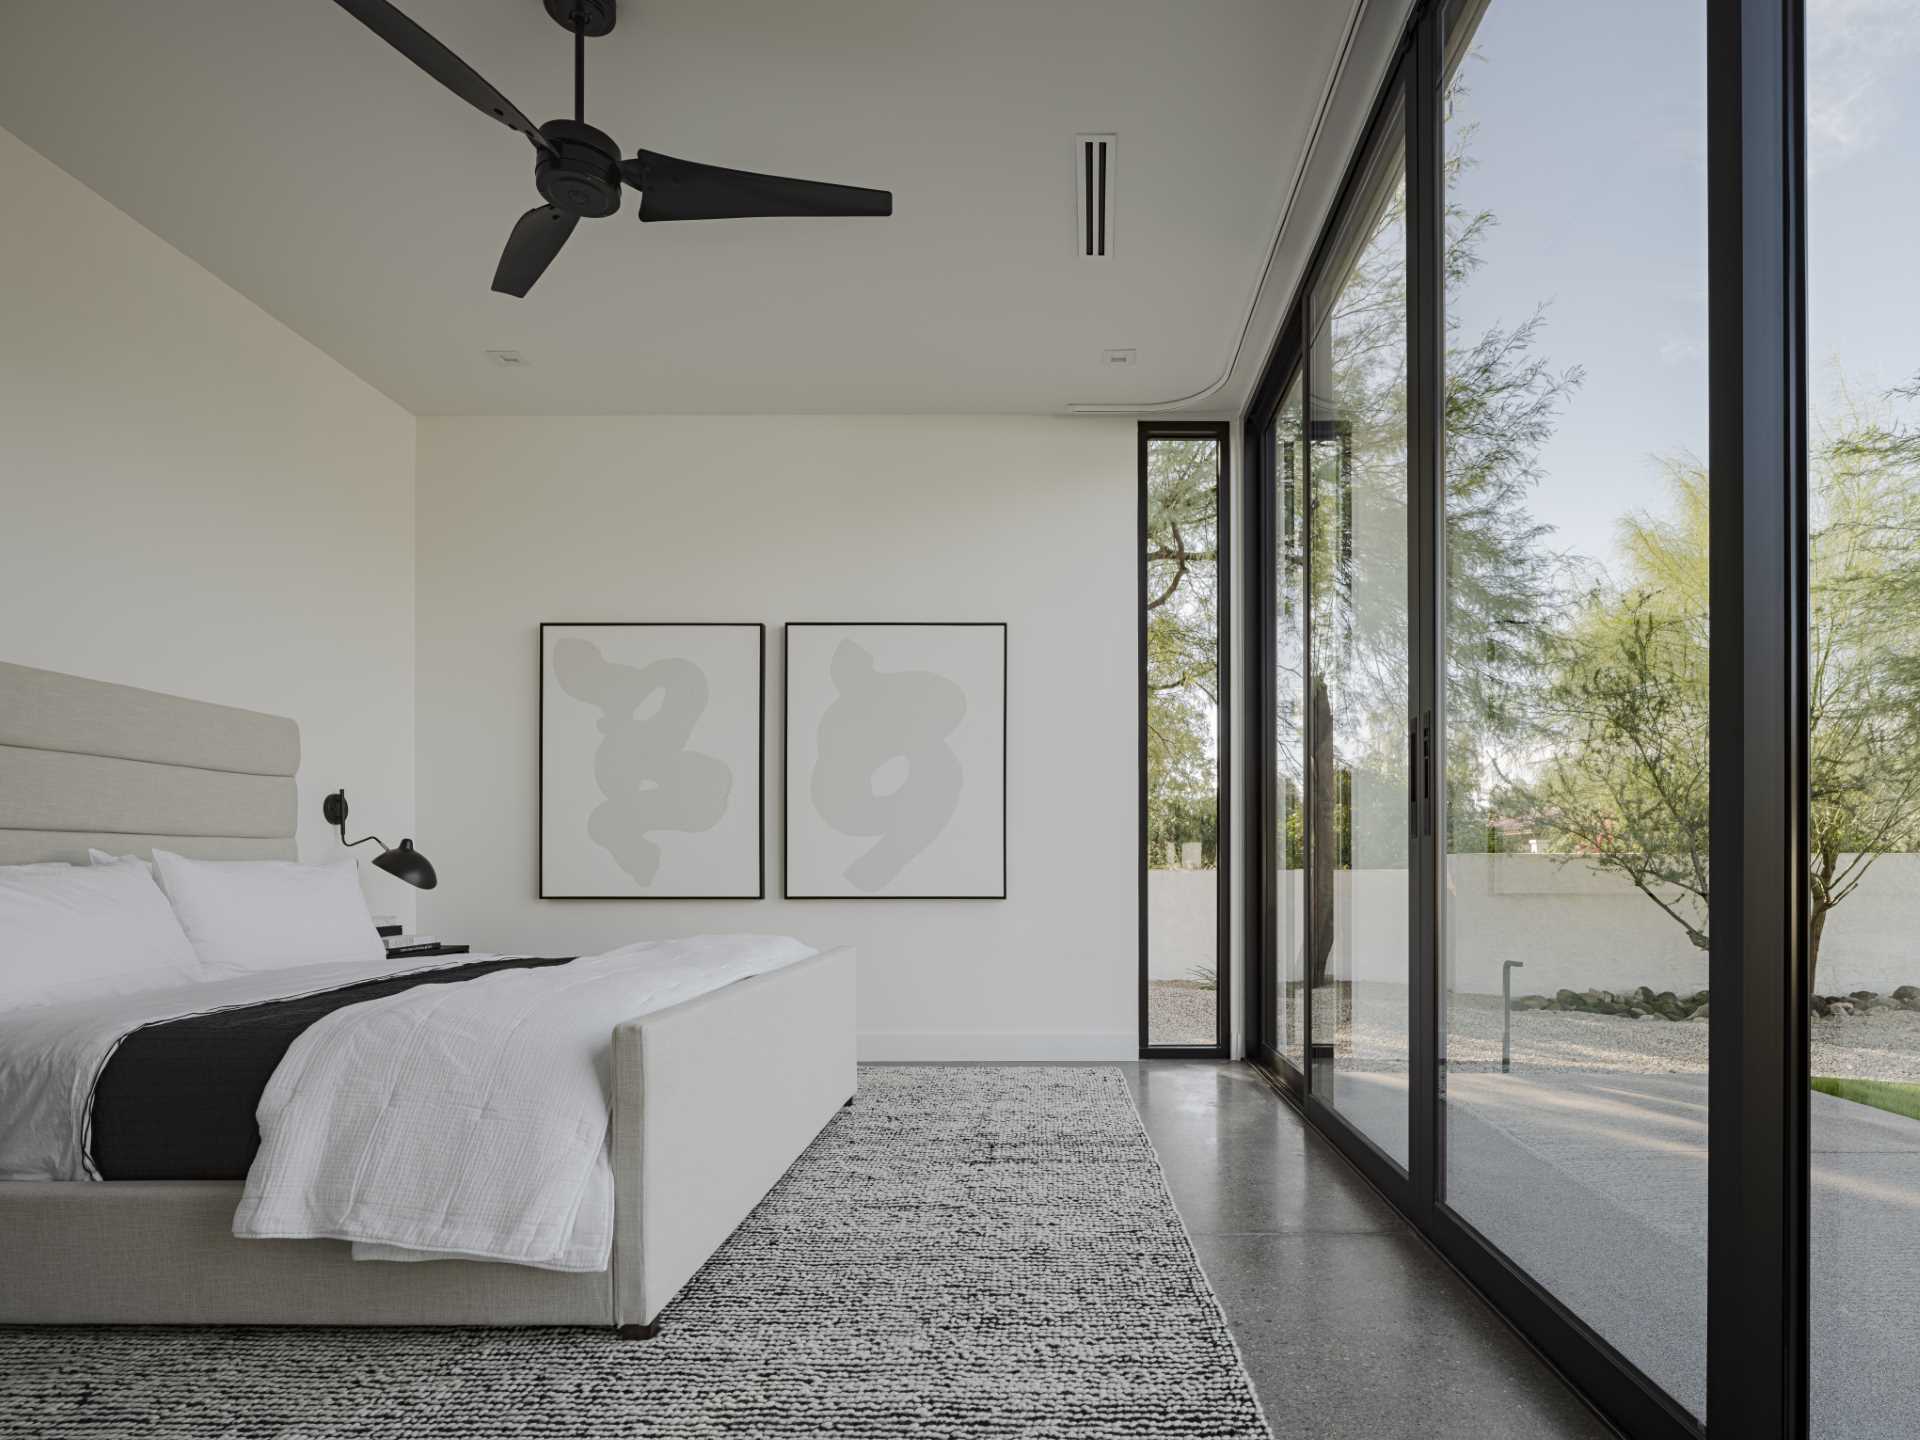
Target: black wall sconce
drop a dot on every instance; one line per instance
(403, 862)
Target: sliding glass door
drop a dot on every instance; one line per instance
(1863, 730)
(1282, 950)
(1574, 889)
(1357, 705)
(1588, 629)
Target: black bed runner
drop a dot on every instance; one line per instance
(176, 1099)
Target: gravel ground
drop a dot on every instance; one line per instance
(1180, 1012)
(1884, 1045)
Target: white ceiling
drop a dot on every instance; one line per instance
(300, 159)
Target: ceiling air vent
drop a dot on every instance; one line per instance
(1093, 182)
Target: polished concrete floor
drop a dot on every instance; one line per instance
(1349, 1324)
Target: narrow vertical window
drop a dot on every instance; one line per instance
(1182, 472)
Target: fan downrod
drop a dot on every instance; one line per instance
(595, 17)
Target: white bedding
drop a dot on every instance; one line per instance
(51, 1054)
(471, 1120)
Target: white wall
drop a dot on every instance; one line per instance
(197, 500)
(1183, 921)
(1026, 520)
(1576, 927)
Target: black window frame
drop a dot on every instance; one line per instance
(1220, 431)
(1758, 1163)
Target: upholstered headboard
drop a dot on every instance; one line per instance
(86, 763)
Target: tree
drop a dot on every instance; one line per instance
(1622, 718)
(1501, 402)
(1183, 646)
(1348, 438)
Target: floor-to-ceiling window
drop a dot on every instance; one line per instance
(1575, 881)
(1183, 677)
(1863, 739)
(1588, 610)
(1283, 953)
(1357, 703)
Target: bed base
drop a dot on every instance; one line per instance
(712, 1101)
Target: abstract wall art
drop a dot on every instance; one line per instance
(896, 761)
(652, 740)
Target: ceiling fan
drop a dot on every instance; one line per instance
(578, 169)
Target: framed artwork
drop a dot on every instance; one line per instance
(652, 754)
(896, 761)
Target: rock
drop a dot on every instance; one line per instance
(1913, 1004)
(1566, 999)
(1818, 1004)
(1700, 1013)
(1906, 992)
(1839, 1009)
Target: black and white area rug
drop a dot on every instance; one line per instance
(967, 1252)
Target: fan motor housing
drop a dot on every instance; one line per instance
(582, 176)
(595, 17)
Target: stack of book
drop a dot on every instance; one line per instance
(401, 944)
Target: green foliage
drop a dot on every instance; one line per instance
(1505, 582)
(1183, 646)
(1894, 1096)
(1622, 714)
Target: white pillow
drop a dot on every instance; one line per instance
(249, 915)
(75, 931)
(101, 857)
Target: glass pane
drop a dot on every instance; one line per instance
(1286, 949)
(1575, 685)
(1183, 730)
(1863, 211)
(1358, 773)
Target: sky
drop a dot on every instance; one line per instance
(1590, 150)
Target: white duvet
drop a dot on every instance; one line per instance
(50, 1055)
(471, 1120)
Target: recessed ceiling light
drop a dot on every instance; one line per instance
(1120, 357)
(512, 359)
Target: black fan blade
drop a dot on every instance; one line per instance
(537, 237)
(673, 189)
(442, 64)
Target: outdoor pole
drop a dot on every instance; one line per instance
(1506, 1013)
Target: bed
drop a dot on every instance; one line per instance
(712, 1099)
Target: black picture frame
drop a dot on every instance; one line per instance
(786, 744)
(540, 750)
